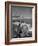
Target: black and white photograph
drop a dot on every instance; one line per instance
(21, 22)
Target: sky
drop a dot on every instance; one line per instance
(21, 11)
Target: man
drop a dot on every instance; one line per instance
(25, 32)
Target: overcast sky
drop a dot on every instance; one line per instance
(21, 11)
